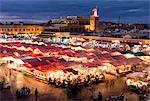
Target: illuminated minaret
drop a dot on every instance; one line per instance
(94, 20)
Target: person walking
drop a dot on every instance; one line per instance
(17, 94)
(99, 96)
(36, 93)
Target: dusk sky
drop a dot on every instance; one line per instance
(130, 11)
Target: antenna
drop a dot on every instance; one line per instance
(96, 7)
(119, 19)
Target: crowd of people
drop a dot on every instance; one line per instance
(75, 78)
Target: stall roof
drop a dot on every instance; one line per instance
(136, 74)
(133, 61)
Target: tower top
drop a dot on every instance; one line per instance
(95, 12)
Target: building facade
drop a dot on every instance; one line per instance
(75, 23)
(20, 29)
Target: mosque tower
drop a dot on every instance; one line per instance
(94, 20)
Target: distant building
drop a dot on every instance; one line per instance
(67, 24)
(75, 23)
(20, 29)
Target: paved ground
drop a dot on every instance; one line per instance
(112, 86)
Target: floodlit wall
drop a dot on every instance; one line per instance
(21, 29)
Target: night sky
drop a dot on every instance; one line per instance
(130, 11)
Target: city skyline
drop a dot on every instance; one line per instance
(136, 11)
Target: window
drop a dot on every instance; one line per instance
(20, 29)
(71, 29)
(76, 29)
(15, 29)
(80, 29)
(86, 22)
(82, 22)
(79, 22)
(23, 29)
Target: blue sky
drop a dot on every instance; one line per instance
(131, 11)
